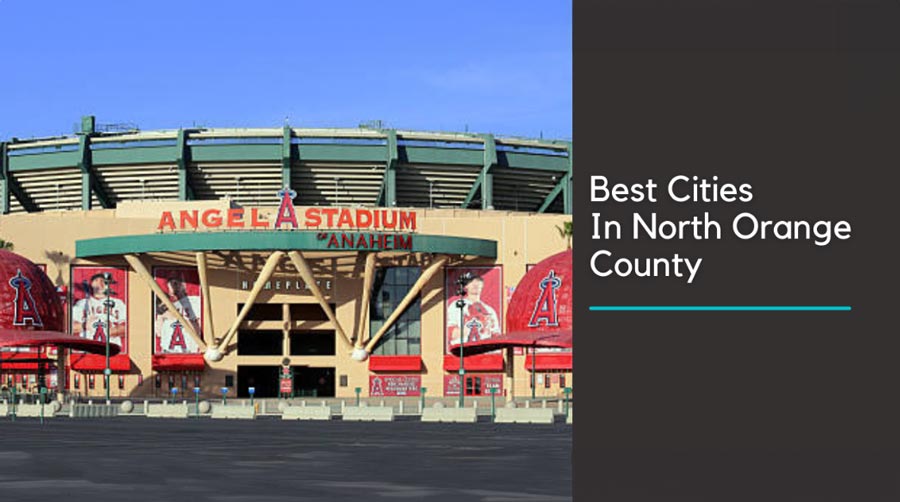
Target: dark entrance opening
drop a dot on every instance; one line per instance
(313, 343)
(259, 342)
(313, 382)
(263, 378)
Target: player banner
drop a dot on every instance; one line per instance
(91, 287)
(395, 385)
(483, 309)
(182, 284)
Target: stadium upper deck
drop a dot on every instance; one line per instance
(372, 167)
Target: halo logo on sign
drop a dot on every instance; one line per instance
(177, 337)
(377, 389)
(23, 305)
(286, 211)
(546, 308)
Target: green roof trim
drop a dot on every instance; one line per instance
(283, 240)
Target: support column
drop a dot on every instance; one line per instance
(567, 189)
(362, 331)
(90, 183)
(287, 157)
(4, 181)
(510, 374)
(60, 373)
(388, 195)
(207, 298)
(183, 160)
(84, 164)
(487, 182)
(286, 330)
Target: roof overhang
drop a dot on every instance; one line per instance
(300, 240)
(29, 338)
(561, 339)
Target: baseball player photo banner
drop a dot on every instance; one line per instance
(100, 304)
(482, 313)
(182, 284)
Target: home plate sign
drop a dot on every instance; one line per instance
(394, 385)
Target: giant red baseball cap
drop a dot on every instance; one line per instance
(540, 310)
(30, 311)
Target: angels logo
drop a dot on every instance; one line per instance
(24, 309)
(99, 331)
(286, 212)
(546, 308)
(177, 337)
(377, 388)
(474, 327)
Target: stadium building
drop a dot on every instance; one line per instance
(308, 262)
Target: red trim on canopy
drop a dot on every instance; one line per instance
(395, 363)
(92, 362)
(550, 362)
(178, 362)
(482, 362)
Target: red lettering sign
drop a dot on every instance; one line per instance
(314, 217)
(236, 218)
(166, 221)
(395, 385)
(377, 242)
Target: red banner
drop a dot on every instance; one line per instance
(476, 384)
(90, 317)
(183, 287)
(287, 386)
(395, 385)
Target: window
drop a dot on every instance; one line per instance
(473, 386)
(259, 342)
(404, 337)
(262, 312)
(309, 312)
(313, 343)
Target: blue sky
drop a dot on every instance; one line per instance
(495, 66)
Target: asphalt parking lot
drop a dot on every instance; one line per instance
(267, 460)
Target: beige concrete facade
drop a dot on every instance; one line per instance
(522, 239)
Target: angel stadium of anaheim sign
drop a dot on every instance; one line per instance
(290, 228)
(314, 218)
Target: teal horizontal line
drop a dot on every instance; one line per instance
(721, 308)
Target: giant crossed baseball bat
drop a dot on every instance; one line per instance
(413, 292)
(264, 276)
(144, 274)
(307, 275)
(204, 288)
(362, 331)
